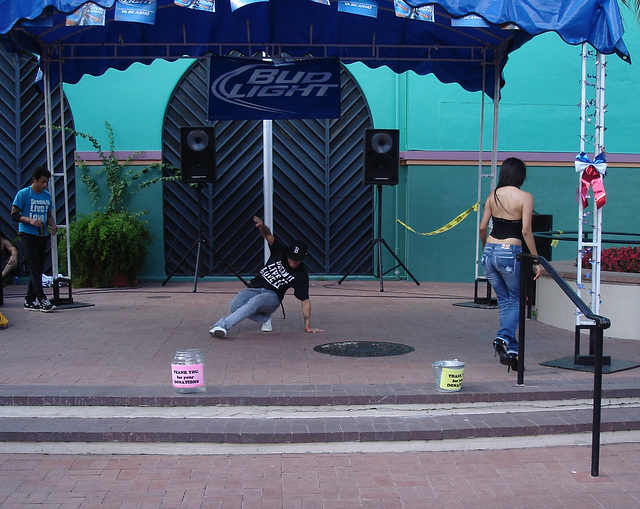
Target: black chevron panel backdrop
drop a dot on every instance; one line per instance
(318, 190)
(23, 140)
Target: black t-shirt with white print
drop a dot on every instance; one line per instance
(278, 276)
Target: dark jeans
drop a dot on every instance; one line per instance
(35, 250)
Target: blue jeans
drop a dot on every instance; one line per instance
(503, 272)
(257, 304)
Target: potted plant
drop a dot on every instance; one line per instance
(109, 246)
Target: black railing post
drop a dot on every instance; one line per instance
(525, 266)
(597, 400)
(596, 339)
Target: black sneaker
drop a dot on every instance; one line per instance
(34, 306)
(45, 305)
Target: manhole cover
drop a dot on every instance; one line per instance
(363, 349)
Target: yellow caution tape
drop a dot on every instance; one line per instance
(457, 220)
(554, 243)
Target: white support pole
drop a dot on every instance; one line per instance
(494, 153)
(494, 134)
(65, 177)
(480, 176)
(592, 219)
(267, 170)
(583, 98)
(48, 126)
(583, 134)
(598, 148)
(600, 91)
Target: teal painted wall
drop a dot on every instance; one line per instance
(133, 102)
(538, 110)
(538, 113)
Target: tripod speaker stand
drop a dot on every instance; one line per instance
(198, 245)
(377, 243)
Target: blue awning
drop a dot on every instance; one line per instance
(466, 55)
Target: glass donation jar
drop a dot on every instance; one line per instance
(187, 371)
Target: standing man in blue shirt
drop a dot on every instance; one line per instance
(32, 208)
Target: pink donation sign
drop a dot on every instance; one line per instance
(189, 375)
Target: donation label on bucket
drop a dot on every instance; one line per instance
(190, 375)
(448, 375)
(451, 379)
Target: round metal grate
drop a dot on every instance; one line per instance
(363, 349)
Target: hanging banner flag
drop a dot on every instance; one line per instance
(236, 4)
(404, 10)
(250, 89)
(136, 11)
(199, 5)
(470, 20)
(89, 14)
(361, 7)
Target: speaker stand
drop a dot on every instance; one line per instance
(377, 243)
(198, 245)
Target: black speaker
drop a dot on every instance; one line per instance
(381, 156)
(539, 223)
(542, 223)
(198, 154)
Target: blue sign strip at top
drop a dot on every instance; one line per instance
(250, 89)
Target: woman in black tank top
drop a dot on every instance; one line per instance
(501, 247)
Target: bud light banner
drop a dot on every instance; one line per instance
(250, 89)
(137, 11)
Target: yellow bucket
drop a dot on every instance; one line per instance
(448, 375)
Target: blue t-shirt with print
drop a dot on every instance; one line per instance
(33, 205)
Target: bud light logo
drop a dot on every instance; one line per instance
(264, 90)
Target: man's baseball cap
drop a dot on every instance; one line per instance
(297, 251)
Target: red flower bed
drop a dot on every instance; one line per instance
(621, 259)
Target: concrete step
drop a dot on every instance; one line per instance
(309, 395)
(319, 428)
(330, 418)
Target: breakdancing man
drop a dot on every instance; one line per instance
(284, 269)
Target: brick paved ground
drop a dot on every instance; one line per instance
(128, 337)
(531, 478)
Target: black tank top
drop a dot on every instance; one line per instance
(506, 228)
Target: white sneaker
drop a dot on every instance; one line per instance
(266, 326)
(45, 305)
(218, 332)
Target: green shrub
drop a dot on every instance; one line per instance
(105, 245)
(110, 241)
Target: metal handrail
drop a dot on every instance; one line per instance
(562, 235)
(601, 323)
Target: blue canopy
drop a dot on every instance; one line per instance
(466, 55)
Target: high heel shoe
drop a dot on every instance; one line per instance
(512, 362)
(500, 348)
